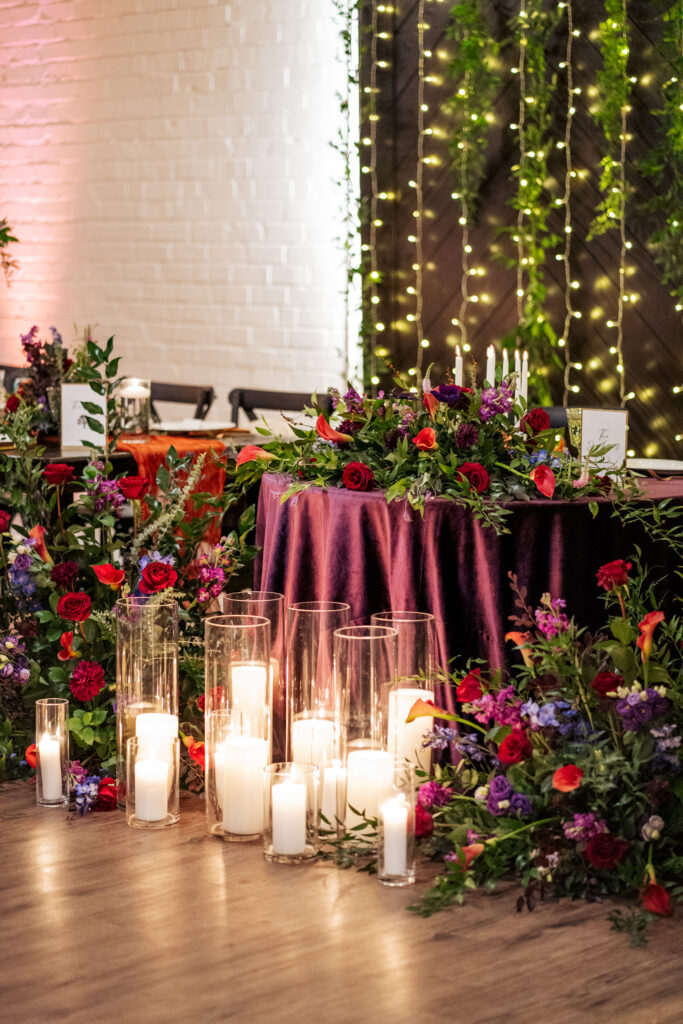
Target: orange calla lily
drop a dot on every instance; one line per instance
(522, 640)
(647, 627)
(430, 403)
(38, 535)
(328, 433)
(251, 452)
(109, 575)
(427, 709)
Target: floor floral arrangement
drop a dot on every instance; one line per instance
(567, 775)
(481, 448)
(71, 543)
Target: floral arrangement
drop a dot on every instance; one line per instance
(67, 553)
(479, 448)
(567, 776)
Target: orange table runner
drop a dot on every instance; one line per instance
(149, 451)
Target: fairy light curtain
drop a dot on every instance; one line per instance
(508, 195)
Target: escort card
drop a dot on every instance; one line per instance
(75, 427)
(603, 427)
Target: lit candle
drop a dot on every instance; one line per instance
(458, 366)
(312, 740)
(156, 728)
(491, 365)
(506, 364)
(394, 816)
(525, 375)
(518, 374)
(289, 817)
(134, 388)
(151, 789)
(50, 755)
(249, 688)
(332, 774)
(244, 758)
(405, 738)
(369, 782)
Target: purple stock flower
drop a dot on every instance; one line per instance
(495, 401)
(87, 793)
(433, 794)
(550, 619)
(439, 738)
(584, 826)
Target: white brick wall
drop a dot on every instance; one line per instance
(166, 166)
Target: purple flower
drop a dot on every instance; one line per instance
(495, 401)
(551, 618)
(87, 793)
(466, 435)
(520, 804)
(500, 788)
(503, 708)
(156, 557)
(469, 747)
(668, 744)
(584, 826)
(353, 401)
(452, 395)
(433, 794)
(439, 738)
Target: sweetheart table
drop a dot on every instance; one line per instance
(340, 545)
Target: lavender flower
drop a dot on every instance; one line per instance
(666, 755)
(87, 793)
(539, 717)
(108, 496)
(439, 738)
(353, 401)
(495, 401)
(469, 747)
(637, 709)
(156, 557)
(584, 826)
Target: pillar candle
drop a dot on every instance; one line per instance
(151, 790)
(289, 817)
(249, 692)
(405, 738)
(525, 375)
(312, 740)
(156, 729)
(370, 776)
(394, 816)
(506, 364)
(50, 754)
(491, 365)
(134, 388)
(458, 366)
(518, 374)
(244, 758)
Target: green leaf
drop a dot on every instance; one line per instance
(622, 630)
(57, 674)
(93, 408)
(95, 425)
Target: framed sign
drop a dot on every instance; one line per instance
(602, 427)
(74, 417)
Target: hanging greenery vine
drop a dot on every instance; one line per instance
(566, 145)
(9, 265)
(469, 108)
(614, 91)
(531, 233)
(664, 164)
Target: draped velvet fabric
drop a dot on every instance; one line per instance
(339, 545)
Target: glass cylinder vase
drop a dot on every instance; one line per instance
(152, 791)
(313, 706)
(235, 761)
(415, 669)
(290, 813)
(271, 606)
(396, 828)
(133, 405)
(52, 751)
(146, 669)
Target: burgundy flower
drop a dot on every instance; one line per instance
(424, 823)
(476, 474)
(466, 435)
(75, 607)
(87, 680)
(106, 795)
(64, 574)
(605, 851)
(5, 520)
(133, 488)
(358, 477)
(613, 574)
(58, 473)
(606, 682)
(515, 748)
(536, 420)
(157, 576)
(12, 403)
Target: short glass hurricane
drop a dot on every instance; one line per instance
(396, 828)
(290, 812)
(236, 755)
(52, 751)
(152, 793)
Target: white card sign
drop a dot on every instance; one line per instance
(75, 428)
(605, 427)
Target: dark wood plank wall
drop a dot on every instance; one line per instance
(652, 328)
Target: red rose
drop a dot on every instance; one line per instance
(476, 474)
(536, 420)
(157, 576)
(106, 795)
(568, 778)
(5, 520)
(12, 403)
(470, 687)
(358, 477)
(133, 488)
(424, 823)
(515, 748)
(606, 682)
(109, 575)
(426, 440)
(656, 899)
(87, 680)
(605, 851)
(74, 606)
(613, 574)
(58, 473)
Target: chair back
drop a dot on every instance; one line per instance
(290, 401)
(188, 394)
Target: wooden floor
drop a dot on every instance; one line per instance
(105, 924)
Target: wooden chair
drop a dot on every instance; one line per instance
(290, 401)
(188, 394)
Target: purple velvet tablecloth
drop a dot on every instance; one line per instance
(340, 545)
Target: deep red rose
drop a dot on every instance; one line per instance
(109, 575)
(656, 899)
(515, 747)
(536, 420)
(358, 477)
(87, 680)
(106, 795)
(606, 682)
(605, 851)
(57, 473)
(157, 576)
(75, 606)
(425, 440)
(5, 520)
(470, 687)
(12, 403)
(424, 823)
(568, 778)
(476, 474)
(133, 488)
(64, 574)
(613, 574)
